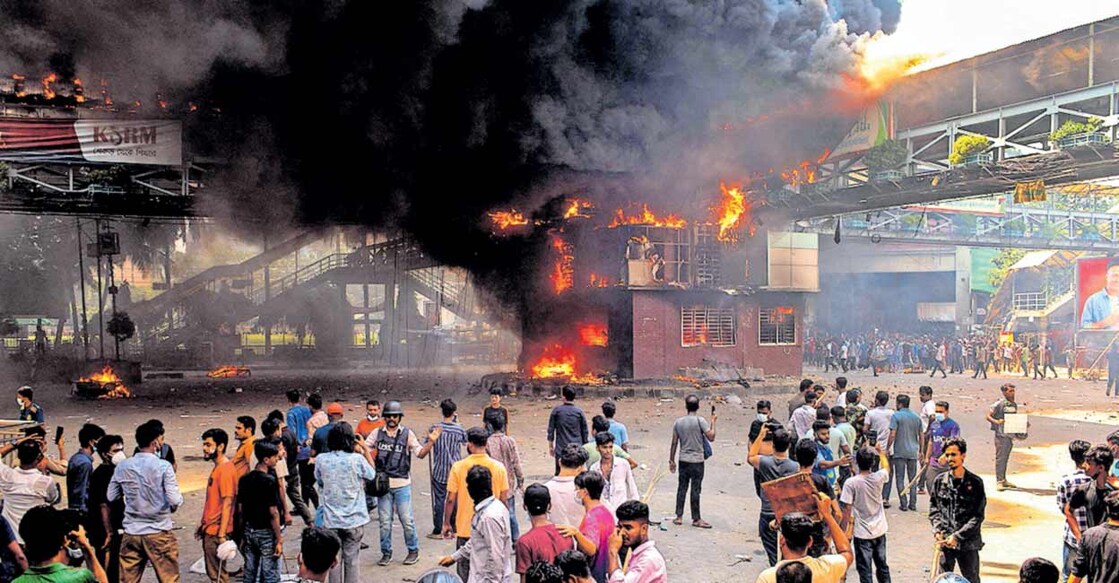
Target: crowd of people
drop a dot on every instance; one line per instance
(587, 523)
(876, 352)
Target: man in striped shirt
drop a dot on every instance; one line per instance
(449, 438)
(1077, 449)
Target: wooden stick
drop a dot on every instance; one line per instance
(657, 475)
(917, 478)
(935, 562)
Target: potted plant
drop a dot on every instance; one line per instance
(1079, 133)
(970, 150)
(883, 162)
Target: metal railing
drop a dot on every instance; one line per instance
(1031, 301)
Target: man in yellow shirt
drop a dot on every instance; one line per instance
(796, 539)
(458, 497)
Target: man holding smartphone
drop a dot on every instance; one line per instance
(691, 433)
(49, 542)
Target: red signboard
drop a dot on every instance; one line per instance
(113, 141)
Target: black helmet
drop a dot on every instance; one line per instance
(392, 408)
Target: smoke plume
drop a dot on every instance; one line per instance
(425, 114)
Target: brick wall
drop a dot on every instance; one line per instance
(657, 350)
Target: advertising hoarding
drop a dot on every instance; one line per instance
(111, 141)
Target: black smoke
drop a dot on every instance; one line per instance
(424, 114)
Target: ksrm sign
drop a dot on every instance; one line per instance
(150, 142)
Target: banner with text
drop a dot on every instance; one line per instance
(111, 141)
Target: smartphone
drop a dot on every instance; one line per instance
(58, 433)
(712, 410)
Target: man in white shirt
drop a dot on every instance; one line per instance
(862, 500)
(620, 485)
(801, 422)
(27, 486)
(565, 508)
(928, 413)
(490, 548)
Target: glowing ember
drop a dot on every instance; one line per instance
(593, 334)
(575, 208)
(49, 80)
(598, 281)
(805, 172)
(647, 217)
(563, 269)
(229, 371)
(110, 381)
(732, 211)
(503, 220)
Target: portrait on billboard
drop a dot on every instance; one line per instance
(1098, 288)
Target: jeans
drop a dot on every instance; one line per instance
(769, 537)
(1068, 556)
(400, 501)
(347, 571)
(514, 528)
(868, 550)
(968, 560)
(904, 471)
(690, 474)
(462, 567)
(259, 548)
(1003, 445)
(438, 499)
(295, 494)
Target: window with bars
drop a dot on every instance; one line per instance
(777, 326)
(703, 325)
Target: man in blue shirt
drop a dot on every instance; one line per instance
(621, 435)
(450, 439)
(904, 447)
(151, 493)
(1100, 311)
(80, 469)
(340, 474)
(29, 410)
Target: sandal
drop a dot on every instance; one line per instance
(700, 524)
(677, 521)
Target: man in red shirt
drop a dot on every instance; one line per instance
(543, 542)
(372, 419)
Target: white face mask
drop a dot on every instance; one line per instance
(763, 417)
(118, 458)
(20, 403)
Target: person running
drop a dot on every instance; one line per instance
(566, 426)
(449, 438)
(542, 542)
(340, 475)
(689, 433)
(489, 551)
(957, 507)
(151, 494)
(768, 468)
(393, 447)
(217, 508)
(862, 499)
(645, 563)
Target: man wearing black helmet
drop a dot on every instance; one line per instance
(392, 448)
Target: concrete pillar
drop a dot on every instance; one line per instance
(964, 314)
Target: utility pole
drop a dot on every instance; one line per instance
(113, 293)
(100, 297)
(81, 273)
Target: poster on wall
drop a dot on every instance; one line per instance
(1097, 300)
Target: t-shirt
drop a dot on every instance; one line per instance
(367, 425)
(999, 410)
(542, 543)
(620, 433)
(823, 454)
(456, 488)
(1098, 556)
(939, 432)
(98, 495)
(318, 439)
(597, 525)
(56, 573)
(837, 440)
(878, 420)
(490, 413)
(770, 468)
(243, 458)
(565, 508)
(690, 430)
(222, 484)
(1091, 499)
(863, 492)
(907, 441)
(928, 411)
(825, 569)
(257, 495)
(848, 431)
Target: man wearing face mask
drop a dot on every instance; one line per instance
(941, 428)
(217, 510)
(764, 408)
(108, 517)
(80, 467)
(372, 419)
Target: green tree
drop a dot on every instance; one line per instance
(1072, 128)
(1001, 265)
(967, 145)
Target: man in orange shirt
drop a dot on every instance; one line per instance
(244, 431)
(458, 496)
(217, 510)
(372, 419)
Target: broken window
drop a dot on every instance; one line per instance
(704, 325)
(777, 326)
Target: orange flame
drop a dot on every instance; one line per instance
(106, 377)
(647, 217)
(732, 210)
(47, 81)
(563, 270)
(593, 334)
(559, 362)
(598, 281)
(576, 207)
(79, 91)
(229, 371)
(804, 172)
(504, 220)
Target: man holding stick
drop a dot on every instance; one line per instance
(796, 539)
(957, 505)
